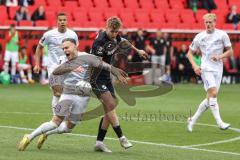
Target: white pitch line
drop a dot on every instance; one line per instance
(180, 122)
(213, 143)
(139, 142)
(26, 113)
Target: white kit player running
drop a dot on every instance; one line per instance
(53, 39)
(76, 72)
(214, 45)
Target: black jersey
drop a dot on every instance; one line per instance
(105, 48)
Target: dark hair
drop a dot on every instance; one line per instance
(70, 40)
(12, 25)
(61, 14)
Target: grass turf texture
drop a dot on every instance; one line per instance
(156, 124)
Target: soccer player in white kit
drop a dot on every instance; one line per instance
(214, 45)
(53, 39)
(74, 99)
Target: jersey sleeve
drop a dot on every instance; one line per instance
(226, 40)
(44, 40)
(97, 49)
(195, 44)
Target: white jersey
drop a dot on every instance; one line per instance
(53, 39)
(73, 77)
(211, 44)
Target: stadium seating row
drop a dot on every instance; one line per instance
(134, 13)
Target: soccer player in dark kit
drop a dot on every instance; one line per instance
(105, 46)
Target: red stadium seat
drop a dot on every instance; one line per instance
(55, 3)
(96, 16)
(9, 22)
(199, 15)
(116, 4)
(86, 4)
(157, 17)
(133, 4)
(160, 4)
(234, 2)
(179, 4)
(172, 16)
(187, 16)
(142, 17)
(227, 26)
(42, 23)
(81, 17)
(25, 23)
(147, 4)
(71, 3)
(40, 2)
(3, 13)
(110, 12)
(12, 11)
(127, 17)
(101, 4)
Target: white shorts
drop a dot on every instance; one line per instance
(24, 66)
(71, 106)
(211, 79)
(159, 59)
(11, 56)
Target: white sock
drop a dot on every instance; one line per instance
(13, 70)
(29, 75)
(54, 101)
(6, 65)
(99, 142)
(43, 128)
(201, 108)
(22, 73)
(215, 110)
(43, 74)
(61, 129)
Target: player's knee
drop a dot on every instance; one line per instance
(57, 120)
(212, 92)
(110, 106)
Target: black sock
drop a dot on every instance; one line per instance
(101, 132)
(118, 131)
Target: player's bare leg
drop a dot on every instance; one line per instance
(110, 117)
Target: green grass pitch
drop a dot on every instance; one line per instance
(156, 126)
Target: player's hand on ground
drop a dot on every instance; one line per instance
(119, 74)
(143, 54)
(36, 69)
(197, 70)
(216, 58)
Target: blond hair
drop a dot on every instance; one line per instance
(211, 16)
(114, 22)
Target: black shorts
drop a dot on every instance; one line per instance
(101, 87)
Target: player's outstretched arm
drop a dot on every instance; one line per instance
(38, 53)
